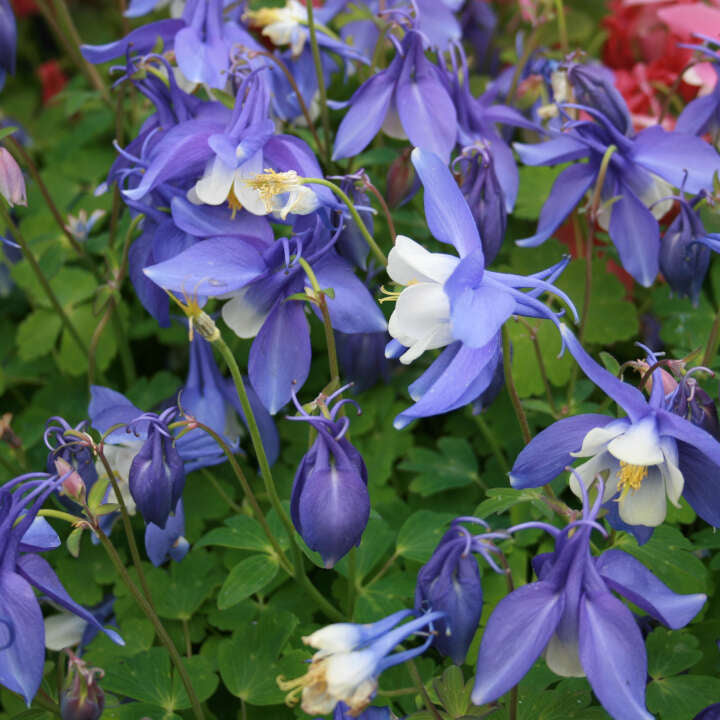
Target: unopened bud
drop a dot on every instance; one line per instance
(73, 486)
(12, 182)
(400, 180)
(83, 698)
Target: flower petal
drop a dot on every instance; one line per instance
(639, 444)
(518, 631)
(647, 505)
(629, 577)
(409, 262)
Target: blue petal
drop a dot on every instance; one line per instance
(212, 267)
(446, 211)
(629, 577)
(140, 41)
(280, 355)
(568, 189)
(628, 397)
(516, 634)
(612, 653)
(553, 152)
(40, 536)
(107, 408)
(683, 160)
(37, 571)
(21, 625)
(353, 309)
(368, 108)
(697, 115)
(702, 482)
(548, 453)
(478, 314)
(635, 233)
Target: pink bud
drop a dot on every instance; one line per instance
(73, 485)
(12, 182)
(400, 180)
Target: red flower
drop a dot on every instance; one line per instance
(52, 78)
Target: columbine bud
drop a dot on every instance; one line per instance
(12, 182)
(73, 485)
(330, 504)
(485, 198)
(157, 474)
(401, 180)
(694, 404)
(450, 582)
(593, 86)
(83, 698)
(684, 259)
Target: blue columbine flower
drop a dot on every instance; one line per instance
(22, 536)
(261, 287)
(650, 456)
(685, 251)
(571, 616)
(330, 504)
(450, 582)
(349, 660)
(407, 100)
(342, 712)
(640, 172)
(8, 41)
(445, 296)
(168, 542)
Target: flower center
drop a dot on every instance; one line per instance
(313, 679)
(630, 477)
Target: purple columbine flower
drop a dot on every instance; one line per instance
(349, 660)
(685, 251)
(407, 100)
(157, 474)
(640, 172)
(330, 504)
(8, 40)
(342, 712)
(78, 456)
(450, 582)
(168, 542)
(651, 456)
(571, 616)
(691, 402)
(22, 536)
(446, 294)
(261, 287)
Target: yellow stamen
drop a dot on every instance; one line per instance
(263, 16)
(392, 295)
(630, 478)
(271, 183)
(314, 678)
(233, 203)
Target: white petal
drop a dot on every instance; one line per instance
(410, 262)
(243, 318)
(674, 480)
(434, 339)
(598, 438)
(214, 186)
(639, 444)
(391, 125)
(646, 505)
(347, 672)
(63, 631)
(602, 462)
(563, 658)
(249, 197)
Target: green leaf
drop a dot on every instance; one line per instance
(390, 593)
(73, 359)
(37, 334)
(375, 542)
(454, 466)
(669, 653)
(147, 677)
(138, 711)
(246, 578)
(534, 189)
(502, 499)
(669, 555)
(452, 691)
(683, 696)
(72, 286)
(420, 534)
(7, 131)
(241, 533)
(248, 662)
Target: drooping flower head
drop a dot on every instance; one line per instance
(349, 660)
(571, 616)
(450, 582)
(650, 456)
(23, 534)
(330, 504)
(454, 301)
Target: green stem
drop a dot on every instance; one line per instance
(512, 391)
(562, 24)
(249, 494)
(154, 619)
(379, 254)
(27, 252)
(127, 526)
(532, 332)
(298, 561)
(320, 79)
(59, 514)
(712, 344)
(420, 685)
(384, 207)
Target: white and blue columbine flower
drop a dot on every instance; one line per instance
(650, 456)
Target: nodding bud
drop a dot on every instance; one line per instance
(400, 180)
(694, 404)
(83, 698)
(12, 182)
(593, 86)
(73, 486)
